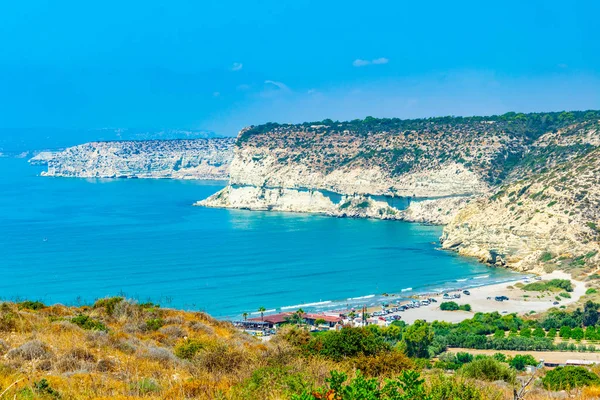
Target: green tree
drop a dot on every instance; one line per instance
(577, 334)
(499, 334)
(525, 332)
(417, 338)
(519, 362)
(262, 310)
(245, 316)
(590, 313)
(590, 333)
(551, 333)
(565, 332)
(538, 332)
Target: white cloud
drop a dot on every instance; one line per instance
(360, 63)
(237, 66)
(279, 85)
(377, 61)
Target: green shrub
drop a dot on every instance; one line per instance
(44, 389)
(32, 305)
(348, 342)
(188, 349)
(88, 323)
(569, 377)
(546, 257)
(108, 303)
(146, 386)
(154, 324)
(565, 295)
(449, 306)
(554, 284)
(488, 369)
(591, 291)
(464, 358)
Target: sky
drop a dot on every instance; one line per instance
(222, 65)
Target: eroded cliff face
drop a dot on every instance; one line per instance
(549, 220)
(177, 159)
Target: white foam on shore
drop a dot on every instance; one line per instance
(362, 297)
(406, 290)
(318, 303)
(481, 277)
(462, 280)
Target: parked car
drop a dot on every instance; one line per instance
(466, 292)
(555, 303)
(432, 300)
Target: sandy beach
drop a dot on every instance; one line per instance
(481, 299)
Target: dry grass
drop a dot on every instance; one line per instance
(44, 355)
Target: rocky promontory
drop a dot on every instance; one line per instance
(516, 190)
(176, 159)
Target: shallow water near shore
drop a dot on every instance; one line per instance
(74, 240)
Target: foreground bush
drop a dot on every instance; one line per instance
(407, 386)
(569, 377)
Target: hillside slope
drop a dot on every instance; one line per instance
(547, 220)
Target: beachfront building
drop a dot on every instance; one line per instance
(276, 320)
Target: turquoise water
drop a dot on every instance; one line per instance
(74, 240)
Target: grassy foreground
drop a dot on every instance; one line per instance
(118, 349)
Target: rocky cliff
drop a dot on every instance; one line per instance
(178, 159)
(545, 221)
(452, 171)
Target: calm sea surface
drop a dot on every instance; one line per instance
(74, 240)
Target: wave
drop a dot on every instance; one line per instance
(266, 311)
(481, 277)
(462, 280)
(408, 289)
(370, 296)
(318, 303)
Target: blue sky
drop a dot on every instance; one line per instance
(223, 65)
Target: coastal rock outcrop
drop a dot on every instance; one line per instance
(177, 159)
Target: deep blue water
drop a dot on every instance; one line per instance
(74, 240)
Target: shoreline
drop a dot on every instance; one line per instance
(482, 299)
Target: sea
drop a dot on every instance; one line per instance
(72, 241)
